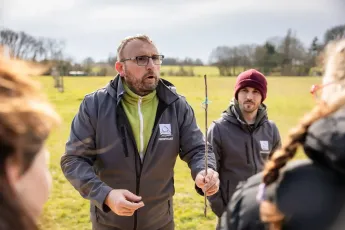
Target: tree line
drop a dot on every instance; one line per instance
(286, 55)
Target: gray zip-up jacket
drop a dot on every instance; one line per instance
(241, 150)
(101, 155)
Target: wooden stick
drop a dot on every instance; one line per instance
(206, 142)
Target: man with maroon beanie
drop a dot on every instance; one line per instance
(242, 138)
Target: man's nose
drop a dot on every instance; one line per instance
(249, 95)
(150, 64)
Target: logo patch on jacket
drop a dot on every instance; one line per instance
(264, 145)
(265, 148)
(165, 132)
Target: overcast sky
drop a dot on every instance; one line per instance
(180, 28)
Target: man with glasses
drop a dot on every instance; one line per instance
(124, 143)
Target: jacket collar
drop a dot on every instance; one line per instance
(166, 91)
(233, 114)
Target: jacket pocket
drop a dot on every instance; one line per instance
(247, 152)
(124, 141)
(112, 220)
(95, 213)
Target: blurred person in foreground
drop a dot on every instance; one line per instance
(304, 194)
(26, 120)
(124, 143)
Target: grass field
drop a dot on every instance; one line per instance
(198, 70)
(288, 99)
(211, 71)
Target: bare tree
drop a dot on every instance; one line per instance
(334, 33)
(246, 55)
(112, 60)
(39, 50)
(226, 59)
(87, 65)
(25, 46)
(292, 52)
(54, 48)
(9, 38)
(267, 58)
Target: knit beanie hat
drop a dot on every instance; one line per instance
(251, 78)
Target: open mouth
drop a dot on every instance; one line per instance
(151, 77)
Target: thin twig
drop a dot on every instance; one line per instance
(206, 142)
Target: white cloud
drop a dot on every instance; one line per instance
(191, 12)
(24, 10)
(78, 16)
(92, 27)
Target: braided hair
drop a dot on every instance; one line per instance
(332, 100)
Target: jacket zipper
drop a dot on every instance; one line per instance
(131, 137)
(254, 161)
(160, 111)
(247, 153)
(140, 151)
(227, 190)
(124, 141)
(252, 144)
(137, 193)
(144, 155)
(141, 130)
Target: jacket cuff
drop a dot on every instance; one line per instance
(198, 190)
(217, 203)
(100, 202)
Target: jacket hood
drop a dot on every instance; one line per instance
(325, 142)
(233, 114)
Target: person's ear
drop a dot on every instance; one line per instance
(119, 66)
(13, 174)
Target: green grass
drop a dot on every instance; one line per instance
(288, 99)
(198, 70)
(211, 71)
